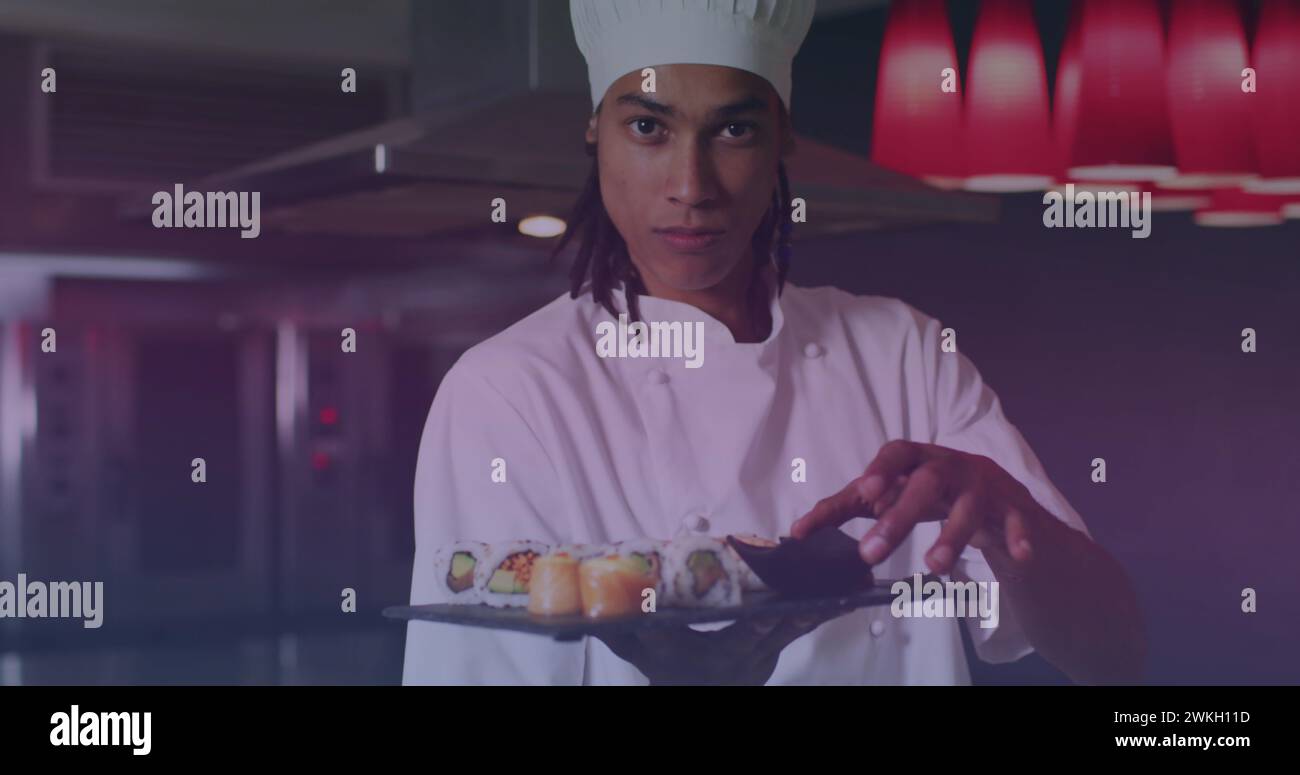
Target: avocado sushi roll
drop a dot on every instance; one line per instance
(648, 553)
(455, 568)
(503, 577)
(699, 572)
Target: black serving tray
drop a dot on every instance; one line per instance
(569, 628)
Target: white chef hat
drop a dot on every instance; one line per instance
(619, 36)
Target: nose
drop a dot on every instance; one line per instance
(691, 179)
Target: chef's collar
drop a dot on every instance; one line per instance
(656, 309)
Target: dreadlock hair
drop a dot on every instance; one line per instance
(603, 257)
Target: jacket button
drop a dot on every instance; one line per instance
(658, 377)
(813, 350)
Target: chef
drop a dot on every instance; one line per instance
(809, 408)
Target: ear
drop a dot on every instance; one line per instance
(592, 123)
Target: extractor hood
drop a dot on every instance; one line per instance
(499, 103)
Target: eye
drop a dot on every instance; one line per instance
(643, 126)
(741, 130)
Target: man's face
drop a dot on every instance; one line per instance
(700, 152)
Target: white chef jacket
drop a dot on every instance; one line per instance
(598, 450)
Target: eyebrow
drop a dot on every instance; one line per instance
(751, 104)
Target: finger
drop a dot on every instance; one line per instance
(895, 459)
(964, 519)
(892, 463)
(833, 510)
(881, 505)
(923, 496)
(1017, 536)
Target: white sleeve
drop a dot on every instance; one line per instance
(470, 424)
(968, 417)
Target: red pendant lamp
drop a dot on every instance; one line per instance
(1123, 122)
(918, 127)
(1209, 113)
(1008, 123)
(1277, 103)
(1234, 208)
(1069, 77)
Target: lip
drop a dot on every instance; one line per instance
(689, 239)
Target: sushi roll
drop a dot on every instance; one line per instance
(649, 553)
(503, 577)
(699, 572)
(455, 566)
(553, 589)
(612, 585)
(749, 580)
